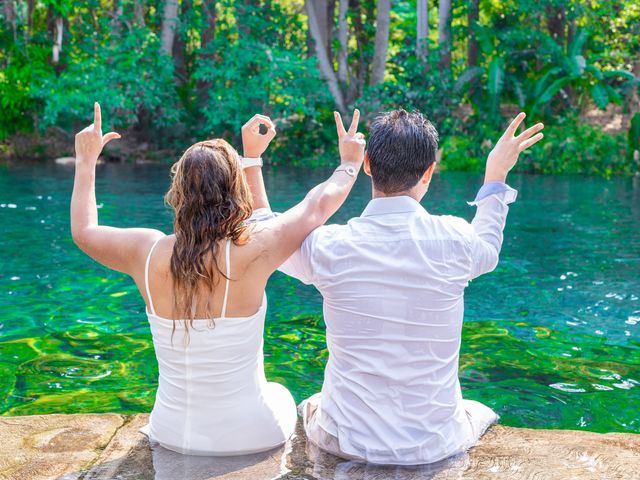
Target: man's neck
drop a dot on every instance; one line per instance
(408, 193)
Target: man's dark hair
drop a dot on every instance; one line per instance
(401, 146)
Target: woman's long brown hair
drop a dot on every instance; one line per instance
(211, 202)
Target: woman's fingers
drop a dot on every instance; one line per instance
(266, 120)
(254, 123)
(110, 136)
(354, 123)
(339, 126)
(532, 141)
(511, 129)
(530, 131)
(97, 116)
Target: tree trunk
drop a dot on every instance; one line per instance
(169, 25)
(10, 16)
(444, 33)
(422, 29)
(634, 98)
(31, 5)
(180, 45)
(57, 39)
(208, 35)
(472, 46)
(326, 68)
(116, 17)
(556, 24)
(138, 12)
(343, 39)
(323, 10)
(383, 17)
(209, 13)
(331, 23)
(362, 39)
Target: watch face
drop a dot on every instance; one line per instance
(350, 170)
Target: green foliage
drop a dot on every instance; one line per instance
(570, 147)
(573, 146)
(15, 100)
(233, 59)
(123, 72)
(246, 73)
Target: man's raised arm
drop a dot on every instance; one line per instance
(494, 197)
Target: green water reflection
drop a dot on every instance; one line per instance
(551, 338)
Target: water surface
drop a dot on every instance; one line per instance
(551, 338)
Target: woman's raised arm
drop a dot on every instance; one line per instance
(281, 236)
(253, 146)
(121, 249)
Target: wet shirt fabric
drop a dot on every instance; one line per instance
(213, 397)
(393, 285)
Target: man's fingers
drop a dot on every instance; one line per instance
(515, 123)
(97, 116)
(532, 141)
(109, 136)
(339, 126)
(360, 136)
(530, 131)
(271, 133)
(354, 123)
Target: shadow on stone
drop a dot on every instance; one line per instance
(170, 465)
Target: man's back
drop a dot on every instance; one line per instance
(393, 282)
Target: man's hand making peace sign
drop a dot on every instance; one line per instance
(351, 143)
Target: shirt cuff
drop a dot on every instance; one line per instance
(493, 188)
(261, 214)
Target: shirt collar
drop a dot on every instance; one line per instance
(385, 205)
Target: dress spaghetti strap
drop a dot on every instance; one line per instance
(223, 313)
(146, 276)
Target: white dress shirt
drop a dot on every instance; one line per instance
(393, 281)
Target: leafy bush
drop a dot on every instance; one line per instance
(570, 147)
(247, 73)
(134, 84)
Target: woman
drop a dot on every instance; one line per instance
(204, 284)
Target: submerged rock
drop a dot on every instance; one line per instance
(110, 446)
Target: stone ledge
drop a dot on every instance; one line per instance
(109, 446)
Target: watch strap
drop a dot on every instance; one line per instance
(348, 169)
(251, 162)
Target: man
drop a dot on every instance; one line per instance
(393, 281)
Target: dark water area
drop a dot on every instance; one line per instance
(551, 337)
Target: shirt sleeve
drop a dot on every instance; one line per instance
(300, 264)
(492, 202)
(297, 265)
(261, 214)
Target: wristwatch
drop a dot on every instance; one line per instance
(251, 162)
(349, 169)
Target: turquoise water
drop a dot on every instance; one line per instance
(551, 338)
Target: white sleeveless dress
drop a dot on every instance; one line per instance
(213, 397)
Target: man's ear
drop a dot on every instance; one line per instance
(367, 165)
(426, 177)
